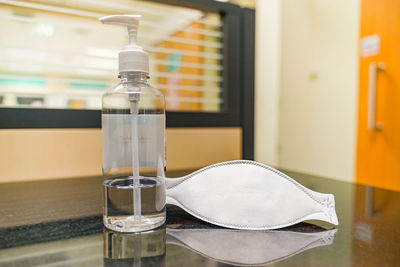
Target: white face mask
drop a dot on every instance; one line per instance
(248, 195)
(241, 247)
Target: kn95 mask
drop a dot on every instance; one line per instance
(248, 195)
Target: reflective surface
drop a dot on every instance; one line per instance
(59, 222)
(243, 247)
(145, 248)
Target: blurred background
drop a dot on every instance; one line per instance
(303, 85)
(55, 54)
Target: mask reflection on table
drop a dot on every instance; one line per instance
(243, 247)
(135, 249)
(236, 247)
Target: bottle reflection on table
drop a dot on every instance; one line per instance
(135, 249)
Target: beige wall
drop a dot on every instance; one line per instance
(59, 153)
(317, 86)
(267, 82)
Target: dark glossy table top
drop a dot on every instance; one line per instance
(59, 223)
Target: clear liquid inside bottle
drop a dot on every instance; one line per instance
(133, 121)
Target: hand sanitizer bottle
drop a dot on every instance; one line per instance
(133, 132)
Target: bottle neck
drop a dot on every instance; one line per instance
(133, 77)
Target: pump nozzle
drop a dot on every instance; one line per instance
(129, 21)
(133, 57)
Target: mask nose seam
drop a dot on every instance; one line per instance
(247, 162)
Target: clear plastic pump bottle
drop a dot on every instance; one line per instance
(133, 132)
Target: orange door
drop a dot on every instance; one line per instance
(378, 148)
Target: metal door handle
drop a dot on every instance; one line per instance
(373, 70)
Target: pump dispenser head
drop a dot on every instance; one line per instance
(133, 57)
